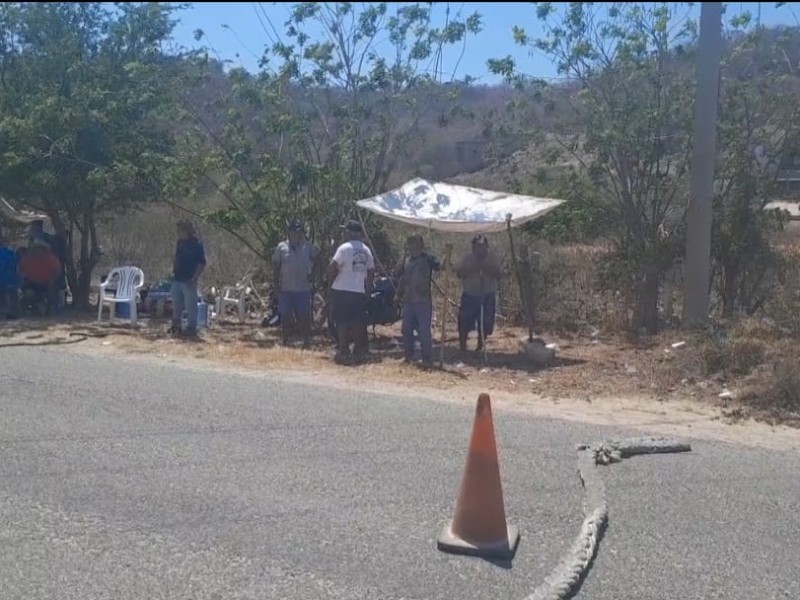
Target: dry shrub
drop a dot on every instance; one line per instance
(785, 391)
(737, 357)
(783, 306)
(568, 295)
(776, 397)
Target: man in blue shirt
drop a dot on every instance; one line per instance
(9, 280)
(190, 260)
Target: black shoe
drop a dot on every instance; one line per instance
(343, 359)
(174, 330)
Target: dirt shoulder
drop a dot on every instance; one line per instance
(603, 382)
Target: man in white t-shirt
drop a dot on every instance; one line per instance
(352, 270)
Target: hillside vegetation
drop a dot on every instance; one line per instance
(114, 139)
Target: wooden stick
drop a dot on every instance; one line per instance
(522, 294)
(448, 253)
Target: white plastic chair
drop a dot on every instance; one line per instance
(128, 282)
(237, 295)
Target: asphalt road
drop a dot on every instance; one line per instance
(128, 479)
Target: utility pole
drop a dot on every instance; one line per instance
(697, 265)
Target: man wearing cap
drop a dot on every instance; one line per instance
(414, 295)
(480, 273)
(188, 265)
(352, 270)
(292, 263)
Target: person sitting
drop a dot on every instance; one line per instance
(9, 280)
(39, 269)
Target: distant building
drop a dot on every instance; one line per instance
(788, 175)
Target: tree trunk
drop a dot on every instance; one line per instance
(89, 258)
(527, 273)
(730, 295)
(645, 315)
(84, 284)
(69, 259)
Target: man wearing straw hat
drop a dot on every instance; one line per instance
(190, 260)
(479, 272)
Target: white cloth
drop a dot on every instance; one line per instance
(354, 259)
(457, 208)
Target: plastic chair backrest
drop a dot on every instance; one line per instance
(129, 280)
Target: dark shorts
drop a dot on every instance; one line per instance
(348, 308)
(294, 303)
(469, 315)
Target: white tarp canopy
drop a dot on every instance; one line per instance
(455, 208)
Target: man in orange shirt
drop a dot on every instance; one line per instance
(40, 269)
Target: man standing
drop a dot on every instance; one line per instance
(479, 272)
(58, 247)
(292, 264)
(352, 271)
(414, 295)
(190, 260)
(9, 280)
(39, 269)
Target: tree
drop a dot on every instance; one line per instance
(633, 111)
(339, 99)
(85, 95)
(757, 128)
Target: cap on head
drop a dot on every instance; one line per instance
(480, 240)
(295, 226)
(353, 226)
(187, 227)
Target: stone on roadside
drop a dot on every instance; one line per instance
(538, 352)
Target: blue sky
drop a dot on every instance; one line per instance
(235, 32)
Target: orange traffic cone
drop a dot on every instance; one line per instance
(479, 527)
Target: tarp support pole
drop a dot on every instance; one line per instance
(378, 262)
(522, 292)
(445, 276)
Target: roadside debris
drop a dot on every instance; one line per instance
(538, 351)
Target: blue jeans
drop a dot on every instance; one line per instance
(417, 317)
(469, 314)
(294, 304)
(184, 297)
(9, 300)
